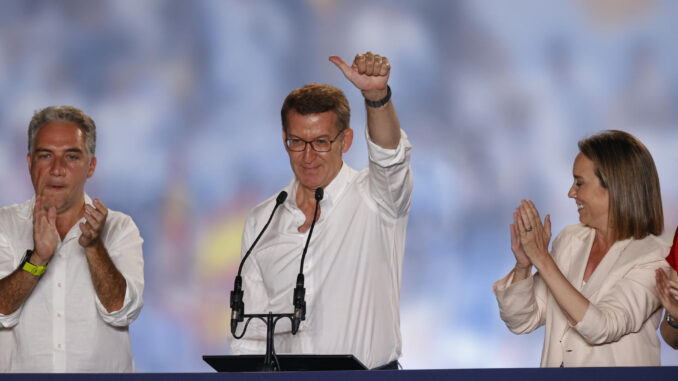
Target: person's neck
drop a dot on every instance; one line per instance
(604, 238)
(305, 197)
(65, 220)
(306, 203)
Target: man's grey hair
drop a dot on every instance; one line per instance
(63, 114)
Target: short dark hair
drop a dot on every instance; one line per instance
(316, 98)
(626, 169)
(63, 114)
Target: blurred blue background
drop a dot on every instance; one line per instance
(186, 95)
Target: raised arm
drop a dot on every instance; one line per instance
(521, 296)
(109, 283)
(18, 285)
(369, 73)
(534, 238)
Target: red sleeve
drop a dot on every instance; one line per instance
(672, 259)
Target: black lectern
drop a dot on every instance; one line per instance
(255, 363)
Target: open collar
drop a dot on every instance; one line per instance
(606, 265)
(331, 195)
(27, 213)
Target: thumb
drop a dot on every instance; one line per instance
(51, 216)
(341, 65)
(547, 225)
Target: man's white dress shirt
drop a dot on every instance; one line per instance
(352, 268)
(62, 326)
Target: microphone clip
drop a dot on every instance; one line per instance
(237, 304)
(299, 304)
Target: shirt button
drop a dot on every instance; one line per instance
(60, 255)
(59, 346)
(306, 267)
(58, 315)
(59, 284)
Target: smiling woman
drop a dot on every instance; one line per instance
(594, 291)
(625, 168)
(593, 200)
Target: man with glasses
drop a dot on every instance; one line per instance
(354, 261)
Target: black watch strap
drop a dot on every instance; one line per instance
(381, 102)
(670, 320)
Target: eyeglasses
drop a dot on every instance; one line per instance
(297, 144)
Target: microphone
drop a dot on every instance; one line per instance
(300, 291)
(237, 304)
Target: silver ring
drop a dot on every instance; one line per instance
(529, 229)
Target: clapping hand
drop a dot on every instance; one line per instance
(45, 235)
(522, 261)
(534, 236)
(667, 290)
(95, 218)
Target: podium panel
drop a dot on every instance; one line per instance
(288, 363)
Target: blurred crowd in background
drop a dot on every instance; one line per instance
(186, 96)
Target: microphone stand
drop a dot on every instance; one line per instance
(271, 319)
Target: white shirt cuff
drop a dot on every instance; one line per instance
(385, 157)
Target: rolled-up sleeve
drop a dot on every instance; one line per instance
(8, 264)
(124, 245)
(9, 321)
(625, 308)
(390, 175)
(522, 304)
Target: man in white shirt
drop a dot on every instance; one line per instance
(354, 261)
(71, 270)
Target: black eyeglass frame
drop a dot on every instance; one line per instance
(306, 143)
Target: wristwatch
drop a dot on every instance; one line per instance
(381, 102)
(31, 268)
(671, 321)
